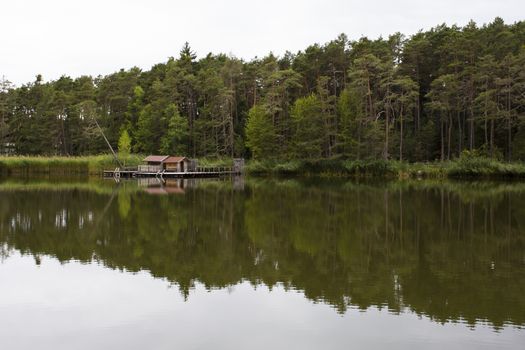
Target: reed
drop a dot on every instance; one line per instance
(38, 165)
(463, 167)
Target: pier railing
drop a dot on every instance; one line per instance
(149, 168)
(214, 169)
(205, 170)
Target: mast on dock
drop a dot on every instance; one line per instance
(109, 145)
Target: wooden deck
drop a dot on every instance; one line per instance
(199, 172)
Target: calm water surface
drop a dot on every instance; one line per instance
(261, 264)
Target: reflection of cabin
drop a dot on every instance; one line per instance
(154, 164)
(154, 186)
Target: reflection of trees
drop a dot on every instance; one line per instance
(448, 251)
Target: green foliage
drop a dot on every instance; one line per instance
(294, 167)
(176, 138)
(261, 136)
(379, 168)
(145, 133)
(29, 165)
(349, 110)
(519, 142)
(124, 143)
(471, 165)
(257, 167)
(421, 98)
(216, 162)
(307, 133)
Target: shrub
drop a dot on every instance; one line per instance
(471, 165)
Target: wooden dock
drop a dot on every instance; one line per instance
(198, 172)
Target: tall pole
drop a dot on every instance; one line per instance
(109, 145)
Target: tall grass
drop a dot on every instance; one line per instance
(480, 167)
(215, 162)
(324, 167)
(464, 167)
(36, 165)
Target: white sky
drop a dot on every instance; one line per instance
(76, 37)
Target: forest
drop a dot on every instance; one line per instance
(427, 97)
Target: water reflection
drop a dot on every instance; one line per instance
(449, 251)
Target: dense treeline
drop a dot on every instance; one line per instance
(430, 96)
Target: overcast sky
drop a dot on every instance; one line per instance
(76, 37)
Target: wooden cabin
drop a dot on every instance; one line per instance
(176, 164)
(154, 164)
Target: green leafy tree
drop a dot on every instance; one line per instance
(260, 132)
(175, 141)
(145, 131)
(124, 143)
(308, 128)
(349, 112)
(5, 95)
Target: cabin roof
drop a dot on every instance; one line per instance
(153, 158)
(175, 159)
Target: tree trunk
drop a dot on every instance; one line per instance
(359, 140)
(471, 121)
(492, 138)
(387, 117)
(387, 126)
(370, 104)
(449, 136)
(442, 140)
(418, 102)
(401, 135)
(460, 132)
(509, 136)
(509, 125)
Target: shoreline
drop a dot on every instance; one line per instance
(461, 168)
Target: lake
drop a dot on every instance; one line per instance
(261, 264)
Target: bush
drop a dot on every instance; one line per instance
(469, 165)
(371, 168)
(472, 165)
(293, 167)
(257, 167)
